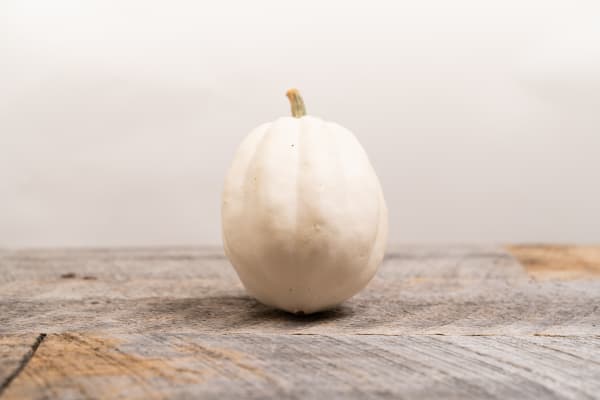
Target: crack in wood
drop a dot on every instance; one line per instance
(22, 364)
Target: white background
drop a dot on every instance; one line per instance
(118, 119)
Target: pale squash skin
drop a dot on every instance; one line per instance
(304, 218)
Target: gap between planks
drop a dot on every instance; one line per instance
(23, 363)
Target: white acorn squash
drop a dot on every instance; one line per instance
(304, 217)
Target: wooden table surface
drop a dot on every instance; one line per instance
(436, 322)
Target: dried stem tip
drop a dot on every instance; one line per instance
(298, 109)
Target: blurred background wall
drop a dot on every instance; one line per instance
(118, 119)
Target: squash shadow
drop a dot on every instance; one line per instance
(238, 313)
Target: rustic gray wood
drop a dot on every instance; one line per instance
(436, 322)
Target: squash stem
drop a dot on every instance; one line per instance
(298, 108)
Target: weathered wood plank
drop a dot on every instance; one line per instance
(436, 322)
(454, 290)
(310, 366)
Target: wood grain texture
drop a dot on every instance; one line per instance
(559, 262)
(309, 366)
(15, 352)
(451, 322)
